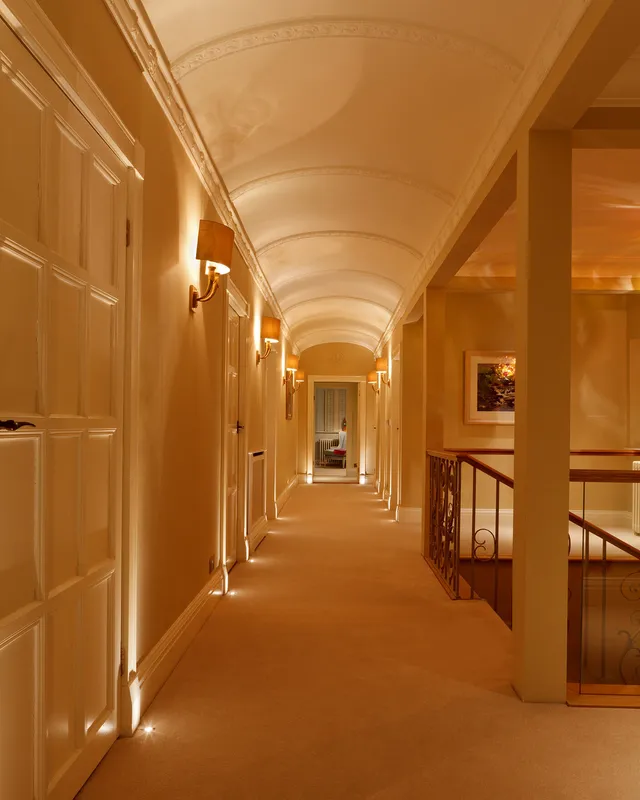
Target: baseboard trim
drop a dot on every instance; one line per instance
(412, 516)
(142, 686)
(258, 532)
(286, 494)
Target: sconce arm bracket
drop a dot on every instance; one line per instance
(212, 288)
(259, 356)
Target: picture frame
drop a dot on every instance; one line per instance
(489, 387)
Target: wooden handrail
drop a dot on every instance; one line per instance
(602, 534)
(490, 471)
(604, 476)
(612, 476)
(489, 451)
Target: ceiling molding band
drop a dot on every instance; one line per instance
(138, 32)
(341, 298)
(339, 27)
(296, 237)
(329, 274)
(563, 26)
(348, 172)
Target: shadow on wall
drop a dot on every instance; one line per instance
(180, 386)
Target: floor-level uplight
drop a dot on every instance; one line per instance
(148, 729)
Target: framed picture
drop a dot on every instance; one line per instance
(289, 397)
(489, 387)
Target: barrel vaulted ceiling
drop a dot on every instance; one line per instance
(345, 130)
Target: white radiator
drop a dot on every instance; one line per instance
(323, 444)
(636, 502)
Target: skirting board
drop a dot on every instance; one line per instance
(286, 494)
(258, 532)
(154, 669)
(412, 516)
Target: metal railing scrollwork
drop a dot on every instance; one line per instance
(442, 549)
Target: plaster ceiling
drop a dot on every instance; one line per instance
(344, 131)
(606, 228)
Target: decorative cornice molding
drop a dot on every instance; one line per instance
(531, 80)
(296, 237)
(341, 27)
(141, 38)
(347, 172)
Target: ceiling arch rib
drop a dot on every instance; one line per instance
(435, 191)
(338, 27)
(296, 237)
(347, 312)
(330, 335)
(298, 308)
(324, 283)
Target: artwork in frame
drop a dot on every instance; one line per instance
(489, 388)
(289, 398)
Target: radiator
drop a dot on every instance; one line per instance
(323, 444)
(636, 502)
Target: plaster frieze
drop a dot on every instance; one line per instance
(570, 14)
(296, 237)
(141, 38)
(331, 28)
(348, 172)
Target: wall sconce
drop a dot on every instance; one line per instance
(215, 246)
(299, 379)
(292, 367)
(270, 332)
(381, 369)
(372, 380)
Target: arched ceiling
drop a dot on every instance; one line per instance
(345, 130)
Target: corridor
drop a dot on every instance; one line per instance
(339, 669)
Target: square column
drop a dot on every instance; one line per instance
(542, 420)
(434, 333)
(411, 424)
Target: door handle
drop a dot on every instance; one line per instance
(239, 427)
(12, 425)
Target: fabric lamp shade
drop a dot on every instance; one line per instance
(372, 377)
(299, 376)
(215, 245)
(270, 329)
(381, 364)
(292, 362)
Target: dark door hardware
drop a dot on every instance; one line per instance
(12, 425)
(239, 427)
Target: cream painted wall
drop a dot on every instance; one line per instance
(600, 384)
(181, 367)
(333, 360)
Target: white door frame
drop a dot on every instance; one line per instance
(361, 380)
(34, 29)
(234, 299)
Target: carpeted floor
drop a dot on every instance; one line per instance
(341, 670)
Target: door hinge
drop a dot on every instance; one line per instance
(123, 658)
(128, 232)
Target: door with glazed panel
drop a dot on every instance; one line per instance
(62, 282)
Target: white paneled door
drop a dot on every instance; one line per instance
(62, 279)
(233, 429)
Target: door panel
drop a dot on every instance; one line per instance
(233, 416)
(62, 273)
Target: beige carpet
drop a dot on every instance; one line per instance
(341, 670)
